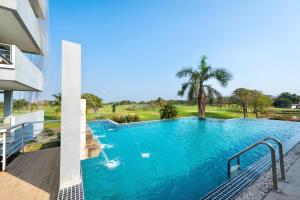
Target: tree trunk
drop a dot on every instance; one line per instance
(201, 103)
(245, 110)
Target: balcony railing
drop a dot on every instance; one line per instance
(13, 139)
(5, 54)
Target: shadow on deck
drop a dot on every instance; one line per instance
(32, 176)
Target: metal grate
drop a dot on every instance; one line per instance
(234, 186)
(74, 192)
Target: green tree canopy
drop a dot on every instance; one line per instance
(20, 103)
(282, 102)
(294, 98)
(286, 99)
(241, 97)
(259, 101)
(92, 101)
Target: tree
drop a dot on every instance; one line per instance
(196, 85)
(92, 101)
(168, 111)
(282, 103)
(286, 99)
(294, 98)
(56, 103)
(20, 104)
(259, 102)
(114, 107)
(241, 97)
(160, 102)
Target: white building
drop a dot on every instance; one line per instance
(22, 42)
(295, 106)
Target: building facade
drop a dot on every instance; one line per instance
(22, 43)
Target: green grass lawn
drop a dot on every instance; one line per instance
(146, 113)
(52, 129)
(153, 114)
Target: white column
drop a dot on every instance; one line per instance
(83, 153)
(70, 115)
(8, 103)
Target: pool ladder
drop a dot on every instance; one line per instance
(273, 159)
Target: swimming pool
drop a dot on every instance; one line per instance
(173, 159)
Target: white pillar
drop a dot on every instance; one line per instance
(8, 103)
(70, 115)
(83, 154)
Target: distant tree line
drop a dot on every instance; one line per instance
(285, 100)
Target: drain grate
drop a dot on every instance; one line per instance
(74, 192)
(234, 186)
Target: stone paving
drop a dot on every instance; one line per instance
(289, 190)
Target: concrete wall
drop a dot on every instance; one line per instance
(22, 74)
(70, 115)
(27, 72)
(21, 24)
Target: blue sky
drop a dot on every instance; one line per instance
(133, 49)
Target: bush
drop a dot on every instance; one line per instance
(126, 118)
(168, 112)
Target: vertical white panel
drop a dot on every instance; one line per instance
(83, 130)
(70, 114)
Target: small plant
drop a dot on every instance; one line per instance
(168, 111)
(126, 118)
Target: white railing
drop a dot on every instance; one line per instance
(14, 138)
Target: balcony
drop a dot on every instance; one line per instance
(20, 26)
(17, 72)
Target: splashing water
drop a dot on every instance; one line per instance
(110, 164)
(99, 136)
(107, 146)
(143, 154)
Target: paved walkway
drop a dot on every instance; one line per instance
(289, 190)
(31, 176)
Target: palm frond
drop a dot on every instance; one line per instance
(184, 72)
(212, 93)
(184, 86)
(223, 76)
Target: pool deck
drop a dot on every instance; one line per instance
(261, 189)
(289, 190)
(32, 176)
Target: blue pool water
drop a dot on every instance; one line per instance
(173, 159)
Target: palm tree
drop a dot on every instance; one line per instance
(197, 88)
(56, 103)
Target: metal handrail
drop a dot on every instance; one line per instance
(273, 158)
(4, 132)
(280, 152)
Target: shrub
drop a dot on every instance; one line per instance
(126, 118)
(168, 112)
